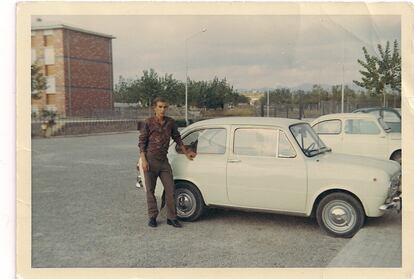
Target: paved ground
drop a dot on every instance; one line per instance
(86, 212)
(377, 244)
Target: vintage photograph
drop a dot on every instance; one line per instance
(216, 140)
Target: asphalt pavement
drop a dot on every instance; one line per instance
(377, 244)
(87, 212)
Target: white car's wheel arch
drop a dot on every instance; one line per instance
(194, 184)
(313, 204)
(393, 153)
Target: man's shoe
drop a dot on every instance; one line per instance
(174, 223)
(152, 222)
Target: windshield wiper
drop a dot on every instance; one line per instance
(309, 152)
(325, 149)
(318, 151)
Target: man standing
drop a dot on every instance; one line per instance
(153, 144)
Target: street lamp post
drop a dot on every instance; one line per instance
(268, 103)
(186, 72)
(343, 79)
(387, 89)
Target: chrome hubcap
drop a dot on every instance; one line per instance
(185, 203)
(339, 216)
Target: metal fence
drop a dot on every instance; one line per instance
(299, 111)
(127, 118)
(116, 120)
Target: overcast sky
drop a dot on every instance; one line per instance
(250, 51)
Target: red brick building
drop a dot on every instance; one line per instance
(78, 67)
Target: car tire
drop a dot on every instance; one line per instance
(396, 156)
(340, 215)
(188, 202)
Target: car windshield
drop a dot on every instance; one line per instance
(308, 140)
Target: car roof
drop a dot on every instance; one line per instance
(349, 115)
(374, 108)
(264, 121)
(371, 109)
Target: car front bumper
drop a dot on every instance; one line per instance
(395, 203)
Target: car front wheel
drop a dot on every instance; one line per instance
(340, 214)
(396, 156)
(188, 201)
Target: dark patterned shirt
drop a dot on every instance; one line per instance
(154, 138)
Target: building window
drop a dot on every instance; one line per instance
(51, 99)
(48, 37)
(51, 84)
(34, 57)
(48, 40)
(50, 70)
(49, 56)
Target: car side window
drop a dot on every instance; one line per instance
(393, 121)
(206, 141)
(255, 142)
(377, 113)
(329, 127)
(361, 127)
(285, 148)
(390, 116)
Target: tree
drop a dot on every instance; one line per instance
(144, 89)
(39, 82)
(240, 99)
(122, 90)
(150, 86)
(319, 93)
(172, 89)
(208, 94)
(336, 93)
(278, 96)
(213, 94)
(380, 72)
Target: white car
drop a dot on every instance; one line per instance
(279, 165)
(361, 134)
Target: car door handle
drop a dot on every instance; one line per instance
(233, 161)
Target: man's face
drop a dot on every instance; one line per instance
(160, 108)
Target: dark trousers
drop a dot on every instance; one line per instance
(162, 169)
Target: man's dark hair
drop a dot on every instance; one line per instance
(158, 99)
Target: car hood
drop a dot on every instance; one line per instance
(352, 161)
